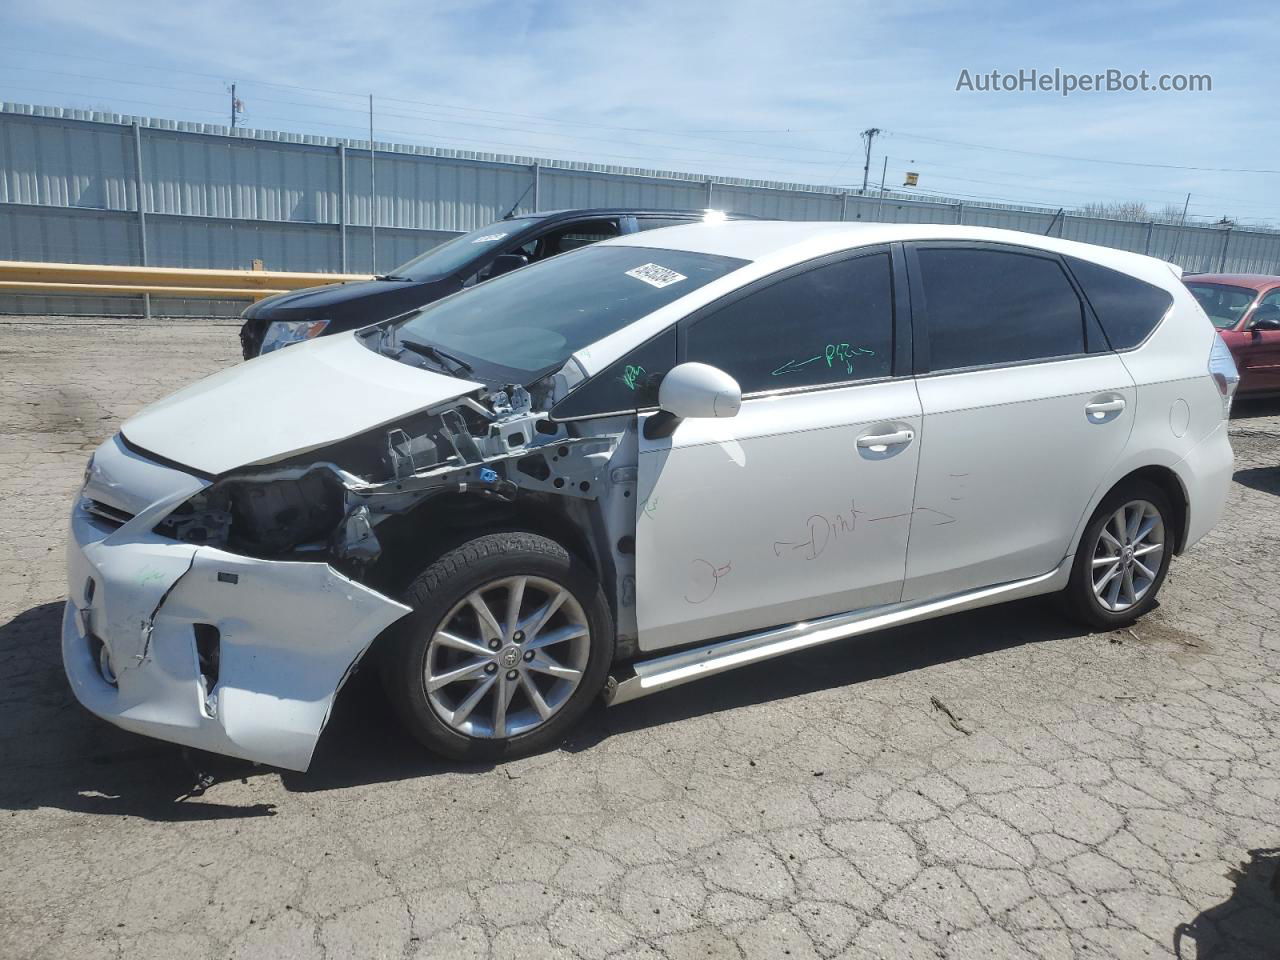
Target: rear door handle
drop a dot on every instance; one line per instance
(887, 439)
(1100, 408)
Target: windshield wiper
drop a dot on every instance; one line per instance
(451, 363)
(393, 276)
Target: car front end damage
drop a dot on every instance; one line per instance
(225, 613)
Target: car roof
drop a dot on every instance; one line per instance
(1255, 281)
(573, 213)
(783, 242)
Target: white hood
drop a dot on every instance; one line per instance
(286, 402)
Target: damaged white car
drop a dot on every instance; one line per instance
(641, 463)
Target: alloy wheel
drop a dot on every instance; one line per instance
(507, 657)
(1127, 555)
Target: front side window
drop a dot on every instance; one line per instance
(1225, 304)
(831, 324)
(992, 306)
(629, 383)
(522, 325)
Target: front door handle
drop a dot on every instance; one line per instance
(884, 440)
(1099, 409)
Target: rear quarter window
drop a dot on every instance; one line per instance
(1128, 308)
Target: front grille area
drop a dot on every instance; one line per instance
(108, 513)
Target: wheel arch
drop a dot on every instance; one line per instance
(416, 538)
(1169, 483)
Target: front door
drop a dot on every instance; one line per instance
(1260, 356)
(799, 506)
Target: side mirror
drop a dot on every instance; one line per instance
(693, 390)
(1266, 317)
(699, 390)
(506, 262)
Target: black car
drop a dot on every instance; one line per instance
(459, 263)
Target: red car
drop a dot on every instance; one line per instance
(1245, 307)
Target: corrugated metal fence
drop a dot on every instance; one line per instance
(70, 183)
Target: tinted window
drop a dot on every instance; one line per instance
(629, 384)
(989, 306)
(523, 324)
(443, 260)
(575, 236)
(830, 324)
(1224, 304)
(655, 223)
(1127, 308)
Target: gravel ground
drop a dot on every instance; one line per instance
(1098, 795)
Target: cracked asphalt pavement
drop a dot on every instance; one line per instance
(996, 784)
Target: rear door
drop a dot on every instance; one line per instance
(799, 506)
(1025, 410)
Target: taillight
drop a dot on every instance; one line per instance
(1223, 370)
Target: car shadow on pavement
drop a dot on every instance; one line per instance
(55, 754)
(58, 755)
(843, 663)
(1244, 407)
(1247, 924)
(1265, 479)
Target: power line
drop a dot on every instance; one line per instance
(697, 133)
(1095, 192)
(1058, 156)
(460, 122)
(445, 139)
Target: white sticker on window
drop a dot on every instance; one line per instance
(655, 275)
(489, 238)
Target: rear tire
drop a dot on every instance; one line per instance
(1122, 558)
(509, 641)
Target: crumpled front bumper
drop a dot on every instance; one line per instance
(288, 635)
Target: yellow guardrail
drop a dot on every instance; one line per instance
(19, 276)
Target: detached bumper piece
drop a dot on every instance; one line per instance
(210, 649)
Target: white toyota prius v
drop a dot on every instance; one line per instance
(638, 464)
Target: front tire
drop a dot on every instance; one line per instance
(1123, 557)
(509, 641)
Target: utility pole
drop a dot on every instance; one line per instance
(868, 135)
(1177, 237)
(233, 106)
(884, 169)
(373, 197)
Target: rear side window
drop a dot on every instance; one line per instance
(992, 306)
(828, 325)
(1127, 308)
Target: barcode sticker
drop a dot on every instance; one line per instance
(655, 275)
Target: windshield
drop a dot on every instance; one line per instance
(453, 254)
(524, 324)
(1224, 304)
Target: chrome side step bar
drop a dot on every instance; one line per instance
(662, 673)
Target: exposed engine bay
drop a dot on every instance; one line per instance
(372, 505)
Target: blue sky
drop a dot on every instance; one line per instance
(723, 87)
